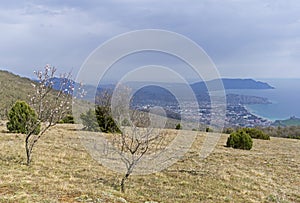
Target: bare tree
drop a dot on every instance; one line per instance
(142, 145)
(140, 135)
(50, 105)
(135, 143)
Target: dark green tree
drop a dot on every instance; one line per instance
(23, 119)
(99, 120)
(105, 120)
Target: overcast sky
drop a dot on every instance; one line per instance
(244, 38)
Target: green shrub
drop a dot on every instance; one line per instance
(228, 130)
(67, 119)
(240, 140)
(105, 120)
(257, 134)
(125, 122)
(178, 126)
(99, 120)
(23, 119)
(209, 130)
(89, 121)
(280, 131)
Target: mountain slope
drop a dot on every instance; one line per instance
(13, 88)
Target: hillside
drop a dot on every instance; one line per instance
(12, 88)
(63, 171)
(292, 121)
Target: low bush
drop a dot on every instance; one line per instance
(23, 119)
(240, 140)
(178, 126)
(228, 130)
(281, 131)
(209, 130)
(89, 121)
(257, 134)
(67, 119)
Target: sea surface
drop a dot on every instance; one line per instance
(285, 99)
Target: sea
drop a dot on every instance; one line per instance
(285, 99)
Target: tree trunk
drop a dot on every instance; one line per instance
(123, 182)
(28, 154)
(28, 151)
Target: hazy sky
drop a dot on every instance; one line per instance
(245, 38)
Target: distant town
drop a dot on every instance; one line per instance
(236, 114)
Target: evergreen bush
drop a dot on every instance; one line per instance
(67, 119)
(178, 126)
(99, 120)
(257, 134)
(23, 119)
(89, 121)
(105, 120)
(240, 140)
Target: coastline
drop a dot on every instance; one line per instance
(253, 112)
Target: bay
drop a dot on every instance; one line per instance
(285, 99)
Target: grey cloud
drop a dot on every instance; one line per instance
(236, 34)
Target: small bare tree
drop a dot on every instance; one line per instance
(140, 134)
(50, 105)
(141, 146)
(135, 143)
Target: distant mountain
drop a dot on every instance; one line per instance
(155, 94)
(245, 84)
(57, 81)
(231, 84)
(197, 87)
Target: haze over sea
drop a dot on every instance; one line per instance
(285, 99)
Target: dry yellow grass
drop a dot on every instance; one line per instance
(62, 171)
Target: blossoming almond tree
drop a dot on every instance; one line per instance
(50, 105)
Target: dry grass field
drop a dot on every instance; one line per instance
(62, 171)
